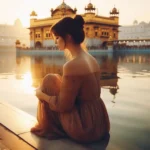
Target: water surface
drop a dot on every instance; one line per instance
(125, 82)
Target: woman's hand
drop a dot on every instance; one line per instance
(42, 96)
(39, 93)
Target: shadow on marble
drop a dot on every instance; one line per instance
(99, 145)
(63, 144)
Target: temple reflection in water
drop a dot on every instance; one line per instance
(39, 66)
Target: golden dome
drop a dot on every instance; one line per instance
(90, 6)
(33, 13)
(62, 9)
(17, 42)
(63, 6)
(114, 11)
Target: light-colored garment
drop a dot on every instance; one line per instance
(77, 111)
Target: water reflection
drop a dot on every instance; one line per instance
(109, 77)
(125, 86)
(7, 62)
(137, 63)
(27, 82)
(40, 66)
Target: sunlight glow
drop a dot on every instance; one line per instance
(27, 83)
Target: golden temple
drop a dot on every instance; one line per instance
(98, 29)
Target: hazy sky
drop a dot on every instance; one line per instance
(129, 10)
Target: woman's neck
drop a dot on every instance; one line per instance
(75, 50)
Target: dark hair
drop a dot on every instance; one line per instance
(71, 26)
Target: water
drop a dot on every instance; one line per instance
(125, 82)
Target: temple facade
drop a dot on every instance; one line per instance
(98, 29)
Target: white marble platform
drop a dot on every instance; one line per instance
(20, 122)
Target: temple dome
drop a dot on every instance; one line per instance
(135, 22)
(17, 23)
(63, 6)
(33, 13)
(114, 11)
(142, 23)
(63, 9)
(90, 6)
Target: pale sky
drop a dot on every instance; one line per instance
(130, 10)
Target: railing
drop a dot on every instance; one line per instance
(56, 48)
(128, 47)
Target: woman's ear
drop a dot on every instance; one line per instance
(69, 38)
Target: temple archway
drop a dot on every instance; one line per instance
(38, 44)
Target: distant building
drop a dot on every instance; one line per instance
(10, 33)
(136, 31)
(98, 29)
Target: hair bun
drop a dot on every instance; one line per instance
(79, 21)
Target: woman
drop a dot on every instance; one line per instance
(71, 106)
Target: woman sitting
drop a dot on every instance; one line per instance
(70, 106)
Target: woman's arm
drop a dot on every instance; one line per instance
(68, 92)
(42, 95)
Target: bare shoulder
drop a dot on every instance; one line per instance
(92, 63)
(81, 65)
(70, 67)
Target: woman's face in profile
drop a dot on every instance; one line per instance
(59, 41)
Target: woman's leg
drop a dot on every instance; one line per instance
(48, 120)
(51, 84)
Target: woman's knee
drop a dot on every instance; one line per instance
(52, 77)
(51, 82)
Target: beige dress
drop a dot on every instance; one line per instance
(76, 111)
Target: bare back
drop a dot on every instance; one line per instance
(82, 65)
(86, 67)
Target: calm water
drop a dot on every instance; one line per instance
(125, 82)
